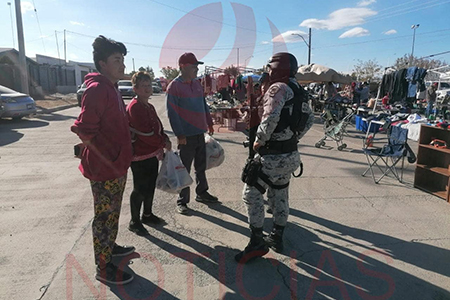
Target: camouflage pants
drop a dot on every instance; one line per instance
(278, 168)
(107, 203)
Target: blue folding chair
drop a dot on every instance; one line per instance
(387, 157)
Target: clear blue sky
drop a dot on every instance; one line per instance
(156, 32)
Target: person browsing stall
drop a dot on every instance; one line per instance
(149, 141)
(190, 118)
(430, 98)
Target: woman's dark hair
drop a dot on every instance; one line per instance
(104, 48)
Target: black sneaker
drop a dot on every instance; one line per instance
(206, 198)
(122, 250)
(182, 209)
(138, 228)
(150, 220)
(112, 275)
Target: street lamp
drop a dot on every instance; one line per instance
(414, 38)
(307, 44)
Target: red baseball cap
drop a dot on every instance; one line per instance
(188, 58)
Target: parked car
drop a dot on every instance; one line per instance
(80, 93)
(15, 105)
(442, 93)
(2, 109)
(126, 88)
(156, 87)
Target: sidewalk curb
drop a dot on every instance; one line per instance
(54, 109)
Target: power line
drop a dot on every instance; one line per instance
(432, 55)
(12, 26)
(401, 4)
(39, 26)
(377, 40)
(172, 48)
(399, 12)
(407, 10)
(212, 20)
(43, 37)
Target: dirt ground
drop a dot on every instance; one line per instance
(56, 100)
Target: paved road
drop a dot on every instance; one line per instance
(361, 240)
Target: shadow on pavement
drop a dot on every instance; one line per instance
(8, 129)
(370, 273)
(255, 279)
(346, 263)
(53, 117)
(140, 287)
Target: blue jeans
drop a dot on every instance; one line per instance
(429, 109)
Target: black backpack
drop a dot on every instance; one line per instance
(292, 114)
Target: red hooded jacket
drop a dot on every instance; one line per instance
(143, 118)
(103, 121)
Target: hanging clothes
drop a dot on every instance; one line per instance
(223, 81)
(412, 84)
(400, 86)
(420, 78)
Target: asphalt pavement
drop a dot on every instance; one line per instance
(347, 238)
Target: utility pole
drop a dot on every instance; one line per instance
(65, 54)
(57, 47)
(238, 59)
(22, 58)
(309, 47)
(12, 24)
(134, 70)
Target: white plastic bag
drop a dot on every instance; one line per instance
(215, 155)
(173, 176)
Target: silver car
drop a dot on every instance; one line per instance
(15, 105)
(126, 88)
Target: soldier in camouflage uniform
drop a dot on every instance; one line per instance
(277, 166)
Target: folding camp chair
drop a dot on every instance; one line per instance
(390, 154)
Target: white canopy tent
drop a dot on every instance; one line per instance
(318, 73)
(443, 73)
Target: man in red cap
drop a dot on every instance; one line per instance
(190, 118)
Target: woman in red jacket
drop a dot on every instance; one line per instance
(149, 140)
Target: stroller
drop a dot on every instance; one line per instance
(335, 121)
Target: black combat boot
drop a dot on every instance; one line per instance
(255, 248)
(275, 239)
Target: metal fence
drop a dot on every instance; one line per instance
(46, 76)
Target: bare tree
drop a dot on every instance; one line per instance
(170, 73)
(404, 62)
(367, 70)
(232, 71)
(146, 69)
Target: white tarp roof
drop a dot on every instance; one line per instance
(443, 72)
(318, 73)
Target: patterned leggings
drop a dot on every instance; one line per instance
(107, 203)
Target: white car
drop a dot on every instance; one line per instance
(442, 93)
(126, 88)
